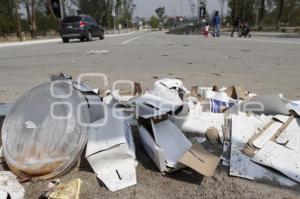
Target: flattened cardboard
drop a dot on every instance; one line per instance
(200, 160)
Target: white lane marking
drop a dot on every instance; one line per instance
(46, 41)
(264, 40)
(132, 39)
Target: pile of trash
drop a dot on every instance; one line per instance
(48, 128)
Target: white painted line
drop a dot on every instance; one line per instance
(47, 41)
(132, 39)
(264, 40)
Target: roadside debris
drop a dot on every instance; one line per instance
(201, 128)
(70, 190)
(102, 52)
(10, 187)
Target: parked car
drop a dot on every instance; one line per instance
(83, 27)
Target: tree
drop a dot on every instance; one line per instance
(31, 10)
(160, 12)
(16, 14)
(6, 17)
(280, 10)
(244, 9)
(154, 22)
(261, 14)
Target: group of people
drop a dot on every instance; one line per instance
(216, 26)
(242, 28)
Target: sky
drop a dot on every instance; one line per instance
(146, 8)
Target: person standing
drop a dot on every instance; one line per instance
(206, 30)
(217, 24)
(236, 26)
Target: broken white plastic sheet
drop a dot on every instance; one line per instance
(243, 128)
(11, 186)
(175, 84)
(282, 154)
(159, 102)
(281, 158)
(165, 143)
(111, 152)
(198, 122)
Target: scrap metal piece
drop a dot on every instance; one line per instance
(44, 133)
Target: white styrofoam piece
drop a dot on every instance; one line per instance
(243, 128)
(279, 158)
(171, 140)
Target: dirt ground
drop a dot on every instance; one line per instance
(261, 65)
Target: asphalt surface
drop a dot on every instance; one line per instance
(263, 65)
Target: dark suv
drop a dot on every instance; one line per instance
(80, 27)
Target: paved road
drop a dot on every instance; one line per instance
(264, 65)
(259, 64)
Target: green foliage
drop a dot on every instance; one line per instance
(290, 11)
(160, 12)
(6, 17)
(154, 22)
(101, 10)
(46, 23)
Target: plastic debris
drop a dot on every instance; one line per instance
(9, 186)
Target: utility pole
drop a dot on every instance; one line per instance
(202, 10)
(222, 11)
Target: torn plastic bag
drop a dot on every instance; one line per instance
(47, 124)
(111, 152)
